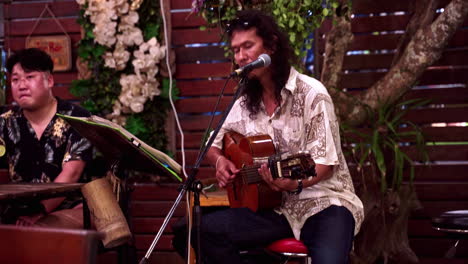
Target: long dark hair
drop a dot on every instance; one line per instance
(273, 39)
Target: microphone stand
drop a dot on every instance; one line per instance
(194, 185)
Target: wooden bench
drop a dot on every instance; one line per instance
(47, 245)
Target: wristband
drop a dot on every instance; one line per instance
(299, 188)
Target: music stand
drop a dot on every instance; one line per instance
(119, 145)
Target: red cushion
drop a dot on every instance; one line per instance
(289, 245)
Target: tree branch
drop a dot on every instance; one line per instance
(422, 14)
(336, 45)
(423, 50)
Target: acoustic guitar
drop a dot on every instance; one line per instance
(248, 153)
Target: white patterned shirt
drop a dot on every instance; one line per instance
(304, 120)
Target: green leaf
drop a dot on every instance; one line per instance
(292, 37)
(291, 23)
(151, 30)
(136, 125)
(98, 51)
(90, 105)
(325, 11)
(80, 88)
(165, 89)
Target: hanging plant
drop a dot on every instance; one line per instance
(298, 18)
(122, 49)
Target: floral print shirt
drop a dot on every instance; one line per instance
(304, 120)
(40, 160)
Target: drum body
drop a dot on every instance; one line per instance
(106, 213)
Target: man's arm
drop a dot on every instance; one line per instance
(71, 173)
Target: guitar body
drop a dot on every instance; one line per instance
(242, 151)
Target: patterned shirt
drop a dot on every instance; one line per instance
(304, 120)
(40, 160)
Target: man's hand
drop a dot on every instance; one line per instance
(28, 220)
(279, 184)
(226, 171)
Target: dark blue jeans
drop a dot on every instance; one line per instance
(225, 233)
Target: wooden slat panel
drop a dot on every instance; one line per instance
(432, 209)
(45, 27)
(63, 92)
(64, 77)
(153, 192)
(186, 19)
(379, 23)
(162, 257)
(438, 115)
(18, 9)
(367, 24)
(379, 42)
(383, 61)
(441, 260)
(440, 96)
(192, 140)
(190, 157)
(181, 4)
(378, 6)
(429, 77)
(189, 36)
(197, 122)
(441, 153)
(193, 55)
(422, 227)
(150, 224)
(155, 208)
(196, 71)
(441, 173)
(205, 87)
(436, 247)
(143, 242)
(442, 191)
(202, 105)
(445, 133)
(368, 42)
(365, 7)
(423, 173)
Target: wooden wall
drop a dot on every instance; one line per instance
(201, 72)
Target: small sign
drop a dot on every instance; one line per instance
(58, 47)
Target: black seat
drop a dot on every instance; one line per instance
(454, 223)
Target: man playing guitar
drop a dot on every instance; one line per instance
(297, 113)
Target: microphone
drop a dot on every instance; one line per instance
(263, 61)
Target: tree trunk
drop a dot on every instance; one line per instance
(384, 237)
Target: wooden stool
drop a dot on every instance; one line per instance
(290, 248)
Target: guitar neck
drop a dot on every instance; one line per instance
(250, 174)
